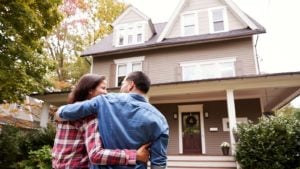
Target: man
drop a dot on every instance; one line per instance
(127, 120)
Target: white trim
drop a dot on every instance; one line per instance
(225, 19)
(127, 32)
(44, 114)
(262, 109)
(129, 60)
(286, 100)
(196, 22)
(171, 21)
(232, 117)
(217, 63)
(191, 108)
(129, 9)
(238, 120)
(207, 61)
(243, 17)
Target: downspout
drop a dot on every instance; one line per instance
(256, 55)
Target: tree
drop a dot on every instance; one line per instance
(23, 24)
(287, 110)
(84, 22)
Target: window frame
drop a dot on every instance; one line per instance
(196, 23)
(216, 62)
(130, 29)
(128, 62)
(211, 21)
(225, 122)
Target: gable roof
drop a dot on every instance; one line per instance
(234, 8)
(127, 11)
(138, 12)
(105, 46)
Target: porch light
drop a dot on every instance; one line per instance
(206, 114)
(175, 116)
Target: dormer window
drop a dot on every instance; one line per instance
(218, 20)
(189, 24)
(130, 34)
(121, 37)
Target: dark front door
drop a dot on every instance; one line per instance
(191, 133)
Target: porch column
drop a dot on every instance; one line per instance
(44, 114)
(231, 117)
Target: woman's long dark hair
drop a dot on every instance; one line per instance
(85, 84)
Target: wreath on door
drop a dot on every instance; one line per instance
(191, 121)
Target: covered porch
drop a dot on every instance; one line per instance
(236, 97)
(252, 96)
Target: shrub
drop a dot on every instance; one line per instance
(25, 145)
(37, 159)
(273, 143)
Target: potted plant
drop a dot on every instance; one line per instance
(225, 146)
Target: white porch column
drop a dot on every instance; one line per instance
(231, 117)
(45, 114)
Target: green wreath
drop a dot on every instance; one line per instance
(191, 121)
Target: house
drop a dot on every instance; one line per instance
(204, 71)
(25, 116)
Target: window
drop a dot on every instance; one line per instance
(127, 65)
(121, 37)
(239, 120)
(189, 26)
(130, 34)
(218, 20)
(208, 69)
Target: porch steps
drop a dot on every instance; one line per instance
(201, 162)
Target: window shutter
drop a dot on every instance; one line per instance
(178, 73)
(112, 77)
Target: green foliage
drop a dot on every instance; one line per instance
(273, 143)
(39, 159)
(23, 24)
(26, 148)
(10, 138)
(287, 110)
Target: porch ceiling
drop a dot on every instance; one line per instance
(273, 91)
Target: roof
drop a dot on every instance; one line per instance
(10, 120)
(105, 46)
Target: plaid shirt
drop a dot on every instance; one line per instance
(78, 142)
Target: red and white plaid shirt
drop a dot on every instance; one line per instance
(78, 142)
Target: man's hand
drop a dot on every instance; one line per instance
(142, 154)
(56, 114)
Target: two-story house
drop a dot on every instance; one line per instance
(204, 72)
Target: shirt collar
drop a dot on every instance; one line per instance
(138, 97)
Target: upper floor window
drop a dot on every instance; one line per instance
(189, 24)
(208, 69)
(128, 34)
(218, 20)
(126, 66)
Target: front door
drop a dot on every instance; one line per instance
(191, 133)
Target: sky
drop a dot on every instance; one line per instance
(278, 49)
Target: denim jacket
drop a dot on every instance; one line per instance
(126, 121)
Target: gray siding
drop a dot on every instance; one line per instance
(163, 65)
(131, 17)
(217, 110)
(201, 7)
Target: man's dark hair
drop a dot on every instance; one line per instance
(85, 84)
(141, 81)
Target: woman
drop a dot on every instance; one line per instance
(77, 143)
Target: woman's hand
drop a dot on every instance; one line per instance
(142, 154)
